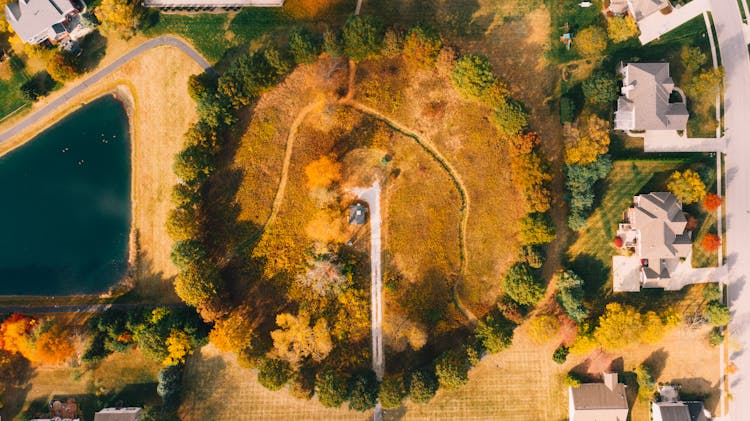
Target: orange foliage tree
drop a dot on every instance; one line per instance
(322, 173)
(712, 202)
(38, 342)
(52, 347)
(530, 171)
(15, 332)
(711, 242)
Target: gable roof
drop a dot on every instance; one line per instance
(599, 401)
(678, 411)
(645, 102)
(639, 8)
(30, 18)
(118, 414)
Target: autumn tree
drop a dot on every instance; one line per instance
(619, 326)
(522, 286)
(600, 87)
(536, 229)
(362, 37)
(421, 46)
(322, 172)
(717, 313)
(452, 369)
(422, 385)
(331, 388)
(296, 339)
(532, 256)
(15, 332)
(332, 44)
(326, 227)
(184, 195)
(687, 186)
(198, 283)
(472, 76)
(392, 391)
(64, 66)
(510, 118)
(52, 346)
(712, 202)
(693, 58)
(183, 223)
(711, 242)
(179, 347)
(186, 252)
(363, 390)
(621, 29)
(273, 374)
(194, 164)
(494, 334)
(393, 43)
(120, 16)
(588, 142)
(591, 41)
(234, 332)
(646, 383)
(543, 328)
(705, 84)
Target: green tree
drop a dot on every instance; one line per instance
(536, 229)
(693, 58)
(472, 76)
(194, 164)
(687, 186)
(600, 87)
(303, 47)
(168, 388)
(561, 354)
(183, 223)
(717, 313)
(198, 283)
(422, 386)
(279, 62)
(712, 292)
(570, 295)
(646, 383)
(522, 286)
(332, 44)
(363, 391)
(591, 41)
(362, 37)
(621, 29)
(510, 118)
(273, 374)
(452, 369)
(187, 252)
(330, 388)
(422, 46)
(716, 336)
(567, 110)
(494, 334)
(184, 195)
(392, 392)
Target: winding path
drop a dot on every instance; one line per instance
(48, 109)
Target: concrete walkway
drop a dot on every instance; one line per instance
(654, 26)
(50, 108)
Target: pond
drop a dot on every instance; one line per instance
(65, 207)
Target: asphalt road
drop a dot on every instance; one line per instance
(35, 116)
(734, 58)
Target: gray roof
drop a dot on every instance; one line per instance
(357, 214)
(118, 414)
(678, 411)
(645, 102)
(599, 401)
(640, 8)
(662, 238)
(30, 18)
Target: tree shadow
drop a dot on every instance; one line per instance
(146, 284)
(94, 48)
(699, 389)
(17, 388)
(594, 273)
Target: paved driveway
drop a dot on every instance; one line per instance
(656, 25)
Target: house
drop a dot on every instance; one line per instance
(639, 9)
(61, 411)
(118, 414)
(598, 401)
(208, 5)
(670, 408)
(357, 214)
(655, 230)
(647, 100)
(36, 21)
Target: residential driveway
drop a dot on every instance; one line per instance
(670, 141)
(99, 75)
(734, 57)
(656, 25)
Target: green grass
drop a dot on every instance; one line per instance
(11, 97)
(214, 34)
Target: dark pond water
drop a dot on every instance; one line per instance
(65, 205)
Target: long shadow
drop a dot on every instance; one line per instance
(594, 273)
(656, 362)
(94, 48)
(17, 387)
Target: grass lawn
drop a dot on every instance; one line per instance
(591, 254)
(11, 97)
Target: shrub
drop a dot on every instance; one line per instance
(561, 354)
(273, 374)
(687, 186)
(494, 334)
(601, 87)
(591, 41)
(522, 286)
(567, 110)
(717, 313)
(472, 76)
(621, 29)
(716, 336)
(422, 46)
(422, 386)
(452, 369)
(712, 202)
(362, 37)
(646, 383)
(532, 256)
(363, 391)
(536, 229)
(392, 392)
(570, 295)
(330, 388)
(303, 46)
(711, 242)
(712, 292)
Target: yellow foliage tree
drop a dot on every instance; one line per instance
(353, 318)
(119, 16)
(322, 173)
(621, 29)
(232, 333)
(326, 227)
(653, 328)
(687, 186)
(296, 339)
(583, 344)
(179, 347)
(619, 326)
(590, 140)
(52, 347)
(591, 41)
(543, 328)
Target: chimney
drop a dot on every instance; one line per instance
(610, 380)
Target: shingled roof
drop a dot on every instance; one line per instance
(638, 8)
(645, 102)
(37, 20)
(599, 401)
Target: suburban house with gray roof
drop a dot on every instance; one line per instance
(36, 21)
(655, 230)
(639, 9)
(646, 102)
(118, 414)
(671, 408)
(598, 401)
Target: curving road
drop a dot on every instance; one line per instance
(101, 74)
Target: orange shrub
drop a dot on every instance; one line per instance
(712, 202)
(711, 242)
